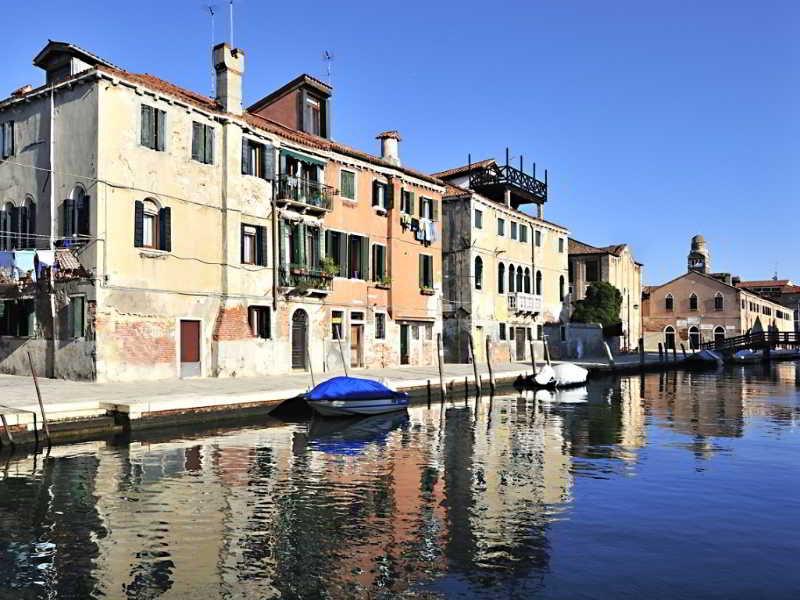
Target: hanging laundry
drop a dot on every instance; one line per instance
(46, 257)
(6, 260)
(24, 261)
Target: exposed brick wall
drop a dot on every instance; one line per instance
(140, 342)
(232, 324)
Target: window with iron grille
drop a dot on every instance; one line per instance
(380, 326)
(259, 318)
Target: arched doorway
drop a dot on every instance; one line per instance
(300, 339)
(719, 335)
(694, 338)
(669, 337)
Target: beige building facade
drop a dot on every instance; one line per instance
(212, 240)
(700, 306)
(505, 270)
(615, 265)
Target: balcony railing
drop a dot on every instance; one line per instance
(493, 179)
(524, 303)
(304, 193)
(305, 278)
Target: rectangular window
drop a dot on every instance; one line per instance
(357, 256)
(538, 238)
(540, 332)
(380, 326)
(513, 230)
(378, 263)
(426, 271)
(523, 234)
(415, 332)
(337, 324)
(153, 128)
(429, 331)
(592, 271)
(314, 116)
(502, 334)
(511, 332)
(257, 159)
(202, 143)
(347, 183)
(561, 245)
(478, 219)
(407, 198)
(501, 226)
(259, 318)
(17, 318)
(150, 229)
(380, 194)
(427, 209)
(336, 250)
(152, 226)
(7, 139)
(248, 244)
(77, 316)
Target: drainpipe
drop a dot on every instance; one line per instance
(274, 224)
(53, 224)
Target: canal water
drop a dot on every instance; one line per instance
(676, 485)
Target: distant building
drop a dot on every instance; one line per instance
(700, 306)
(782, 291)
(505, 271)
(615, 265)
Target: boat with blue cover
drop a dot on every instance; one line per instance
(343, 396)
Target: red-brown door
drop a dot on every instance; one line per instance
(190, 348)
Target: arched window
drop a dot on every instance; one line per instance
(669, 337)
(719, 336)
(669, 303)
(76, 213)
(539, 283)
(511, 273)
(719, 303)
(8, 226)
(520, 285)
(561, 288)
(478, 272)
(694, 338)
(693, 301)
(527, 280)
(27, 223)
(501, 278)
(152, 225)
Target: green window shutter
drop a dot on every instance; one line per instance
(375, 185)
(390, 196)
(412, 199)
(421, 207)
(209, 141)
(197, 140)
(343, 257)
(138, 224)
(147, 126)
(84, 217)
(68, 210)
(161, 129)
(246, 163)
(269, 161)
(165, 229)
(421, 270)
(434, 210)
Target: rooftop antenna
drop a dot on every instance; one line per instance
(327, 57)
(212, 11)
(230, 21)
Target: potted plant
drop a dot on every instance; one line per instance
(329, 267)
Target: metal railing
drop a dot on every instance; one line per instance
(304, 191)
(755, 341)
(305, 276)
(522, 302)
(508, 175)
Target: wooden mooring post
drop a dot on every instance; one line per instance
(439, 357)
(474, 365)
(489, 365)
(45, 426)
(683, 350)
(660, 352)
(641, 352)
(674, 353)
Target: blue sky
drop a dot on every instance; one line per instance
(656, 120)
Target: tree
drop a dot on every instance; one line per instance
(601, 305)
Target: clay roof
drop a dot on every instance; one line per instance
(576, 247)
(305, 78)
(456, 190)
(464, 169)
(765, 283)
(56, 46)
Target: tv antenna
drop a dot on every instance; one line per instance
(327, 58)
(230, 21)
(212, 13)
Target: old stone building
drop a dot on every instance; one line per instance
(615, 265)
(782, 291)
(211, 239)
(700, 306)
(505, 270)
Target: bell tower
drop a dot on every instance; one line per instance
(699, 257)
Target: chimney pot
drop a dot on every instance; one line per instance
(390, 146)
(229, 66)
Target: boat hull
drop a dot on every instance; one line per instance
(343, 408)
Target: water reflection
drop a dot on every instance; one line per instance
(471, 496)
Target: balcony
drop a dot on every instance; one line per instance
(303, 195)
(493, 181)
(520, 302)
(306, 280)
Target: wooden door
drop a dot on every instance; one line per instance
(299, 339)
(356, 345)
(190, 348)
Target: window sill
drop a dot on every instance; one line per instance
(383, 286)
(350, 201)
(427, 291)
(380, 210)
(152, 253)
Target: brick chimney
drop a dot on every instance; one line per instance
(229, 65)
(390, 143)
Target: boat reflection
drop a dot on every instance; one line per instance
(351, 435)
(577, 395)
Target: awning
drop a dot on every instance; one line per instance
(302, 157)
